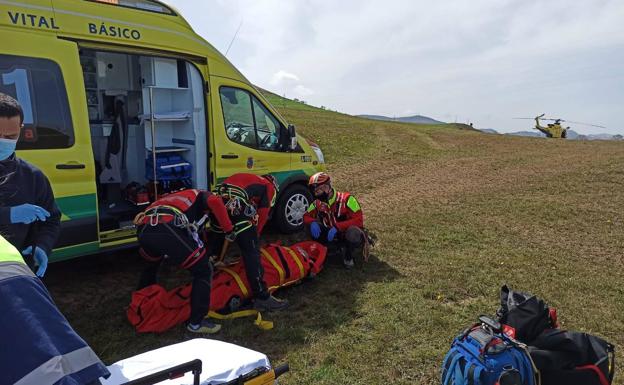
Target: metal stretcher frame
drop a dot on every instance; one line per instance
(195, 367)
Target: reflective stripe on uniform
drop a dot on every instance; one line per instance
(60, 366)
(14, 269)
(353, 204)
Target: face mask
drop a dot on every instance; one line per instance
(7, 147)
(322, 195)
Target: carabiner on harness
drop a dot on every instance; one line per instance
(153, 218)
(250, 211)
(233, 206)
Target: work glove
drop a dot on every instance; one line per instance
(28, 213)
(41, 259)
(331, 234)
(315, 230)
(231, 236)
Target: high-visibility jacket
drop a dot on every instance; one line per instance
(38, 346)
(259, 191)
(342, 210)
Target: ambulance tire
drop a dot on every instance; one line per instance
(293, 203)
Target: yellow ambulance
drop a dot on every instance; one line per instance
(123, 101)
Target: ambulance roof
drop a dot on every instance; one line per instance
(142, 24)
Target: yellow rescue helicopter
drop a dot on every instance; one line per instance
(555, 129)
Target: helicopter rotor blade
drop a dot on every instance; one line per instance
(526, 118)
(585, 124)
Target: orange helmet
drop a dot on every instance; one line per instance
(318, 179)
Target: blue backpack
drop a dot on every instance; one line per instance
(483, 355)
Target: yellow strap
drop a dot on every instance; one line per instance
(237, 278)
(259, 322)
(296, 258)
(280, 271)
(264, 325)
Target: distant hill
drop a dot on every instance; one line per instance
(573, 135)
(488, 130)
(419, 119)
(603, 137)
(535, 134)
(570, 135)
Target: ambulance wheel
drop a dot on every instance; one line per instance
(290, 208)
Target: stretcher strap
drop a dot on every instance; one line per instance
(297, 261)
(280, 271)
(259, 322)
(237, 278)
(283, 261)
(264, 325)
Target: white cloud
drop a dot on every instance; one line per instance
(485, 60)
(303, 91)
(286, 83)
(282, 76)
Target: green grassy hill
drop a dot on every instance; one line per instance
(457, 214)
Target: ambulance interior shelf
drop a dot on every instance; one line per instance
(118, 88)
(160, 150)
(174, 116)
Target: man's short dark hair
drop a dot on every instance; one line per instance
(9, 107)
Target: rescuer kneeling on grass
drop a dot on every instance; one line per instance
(169, 233)
(335, 217)
(248, 198)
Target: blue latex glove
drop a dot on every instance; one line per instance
(331, 234)
(28, 213)
(41, 259)
(315, 230)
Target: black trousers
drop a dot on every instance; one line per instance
(351, 239)
(249, 246)
(174, 245)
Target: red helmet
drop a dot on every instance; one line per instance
(318, 179)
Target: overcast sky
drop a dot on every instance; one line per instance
(480, 61)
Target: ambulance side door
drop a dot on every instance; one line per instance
(245, 132)
(44, 74)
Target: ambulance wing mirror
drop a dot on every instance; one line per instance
(292, 134)
(287, 138)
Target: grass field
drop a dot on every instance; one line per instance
(456, 213)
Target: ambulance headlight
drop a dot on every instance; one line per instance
(318, 153)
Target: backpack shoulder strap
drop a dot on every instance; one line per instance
(451, 371)
(476, 376)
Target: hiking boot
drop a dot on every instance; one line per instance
(348, 263)
(270, 304)
(205, 327)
